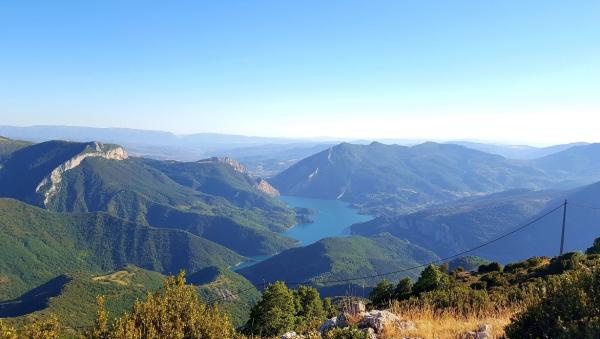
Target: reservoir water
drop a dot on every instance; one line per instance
(331, 218)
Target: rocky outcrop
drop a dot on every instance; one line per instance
(50, 184)
(379, 320)
(264, 186)
(261, 184)
(227, 161)
(373, 323)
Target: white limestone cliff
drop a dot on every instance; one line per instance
(50, 184)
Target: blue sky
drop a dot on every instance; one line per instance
(526, 71)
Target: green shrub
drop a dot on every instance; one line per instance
(571, 309)
(595, 249)
(566, 262)
(174, 312)
(491, 267)
(346, 333)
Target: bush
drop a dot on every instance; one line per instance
(176, 312)
(595, 249)
(346, 333)
(7, 332)
(566, 262)
(491, 267)
(571, 309)
(529, 263)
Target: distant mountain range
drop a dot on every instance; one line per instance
(517, 151)
(262, 156)
(389, 179)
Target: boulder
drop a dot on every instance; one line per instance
(483, 332)
(379, 320)
(292, 335)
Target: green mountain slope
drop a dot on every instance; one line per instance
(579, 164)
(340, 258)
(211, 200)
(386, 178)
(232, 292)
(8, 146)
(450, 228)
(453, 227)
(38, 245)
(73, 297)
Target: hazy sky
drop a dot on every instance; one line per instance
(525, 71)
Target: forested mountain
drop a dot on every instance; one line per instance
(7, 146)
(386, 178)
(340, 258)
(208, 198)
(38, 245)
(579, 164)
(449, 228)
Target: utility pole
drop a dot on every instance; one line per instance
(562, 236)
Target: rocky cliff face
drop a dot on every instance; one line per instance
(228, 161)
(263, 186)
(51, 183)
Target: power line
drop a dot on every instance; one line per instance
(314, 282)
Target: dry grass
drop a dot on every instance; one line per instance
(447, 324)
(122, 278)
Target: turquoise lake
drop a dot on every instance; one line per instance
(332, 218)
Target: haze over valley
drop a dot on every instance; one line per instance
(296, 170)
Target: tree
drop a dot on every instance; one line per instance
(309, 309)
(274, 314)
(595, 249)
(431, 278)
(382, 294)
(101, 325)
(404, 289)
(330, 309)
(43, 329)
(176, 312)
(7, 332)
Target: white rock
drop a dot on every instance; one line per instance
(378, 320)
(291, 335)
